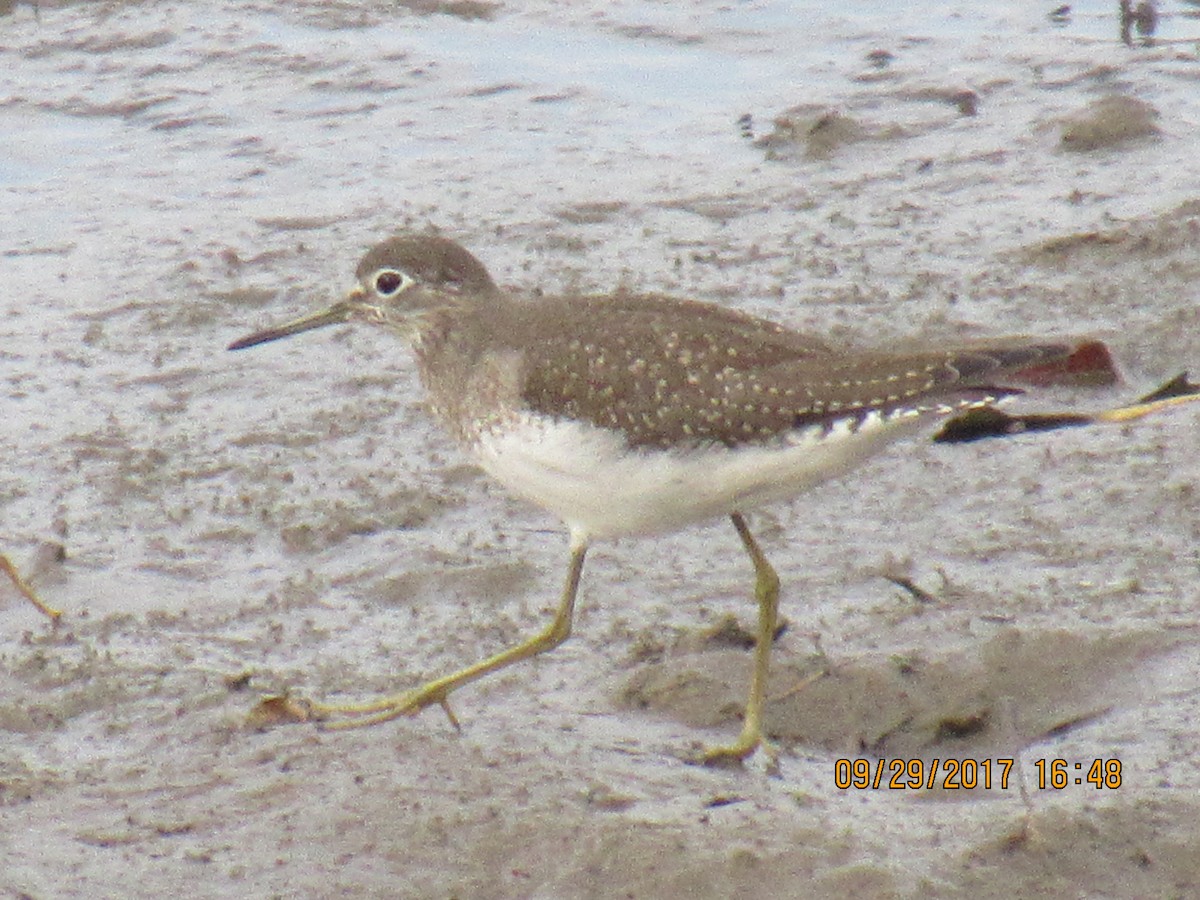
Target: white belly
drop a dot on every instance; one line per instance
(600, 488)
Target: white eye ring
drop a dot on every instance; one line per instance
(390, 282)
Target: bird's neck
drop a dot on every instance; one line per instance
(457, 332)
(463, 361)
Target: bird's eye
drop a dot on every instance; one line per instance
(389, 282)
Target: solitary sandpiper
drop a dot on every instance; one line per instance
(632, 414)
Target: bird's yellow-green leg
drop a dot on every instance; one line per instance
(437, 691)
(766, 591)
(23, 586)
(1139, 410)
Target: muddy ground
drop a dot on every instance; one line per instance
(218, 526)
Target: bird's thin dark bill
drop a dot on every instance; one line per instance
(333, 315)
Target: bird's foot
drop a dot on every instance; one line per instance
(731, 756)
(340, 716)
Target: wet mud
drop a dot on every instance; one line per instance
(218, 527)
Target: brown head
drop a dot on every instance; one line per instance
(398, 280)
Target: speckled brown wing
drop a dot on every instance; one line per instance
(667, 371)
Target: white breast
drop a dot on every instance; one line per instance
(601, 488)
